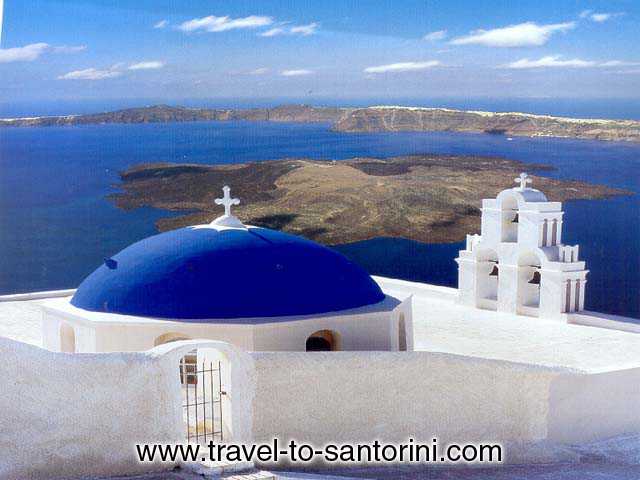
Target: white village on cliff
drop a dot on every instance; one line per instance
(227, 332)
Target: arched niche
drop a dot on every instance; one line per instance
(67, 338)
(323, 341)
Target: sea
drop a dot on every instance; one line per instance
(56, 224)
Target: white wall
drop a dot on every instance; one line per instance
(368, 331)
(585, 408)
(125, 337)
(363, 396)
(66, 415)
(103, 336)
(84, 333)
(371, 327)
(76, 414)
(349, 397)
(71, 415)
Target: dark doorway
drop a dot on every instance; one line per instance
(322, 341)
(318, 344)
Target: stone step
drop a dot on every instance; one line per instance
(251, 475)
(220, 469)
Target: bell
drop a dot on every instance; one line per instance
(494, 272)
(535, 280)
(515, 219)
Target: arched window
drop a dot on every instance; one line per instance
(402, 334)
(67, 338)
(323, 341)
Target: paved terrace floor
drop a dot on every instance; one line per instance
(440, 325)
(22, 321)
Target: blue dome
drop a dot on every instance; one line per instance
(199, 273)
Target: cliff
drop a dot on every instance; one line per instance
(166, 113)
(370, 119)
(397, 119)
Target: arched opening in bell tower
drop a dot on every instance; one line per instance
(529, 281)
(487, 279)
(509, 219)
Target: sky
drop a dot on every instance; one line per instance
(174, 49)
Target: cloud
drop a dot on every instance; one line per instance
(295, 73)
(28, 53)
(528, 34)
(69, 49)
(619, 63)
(114, 71)
(633, 71)
(599, 17)
(91, 74)
(555, 61)
(256, 71)
(150, 65)
(34, 51)
(603, 17)
(161, 24)
(435, 36)
(304, 30)
(272, 32)
(549, 61)
(402, 67)
(222, 24)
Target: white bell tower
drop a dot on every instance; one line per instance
(519, 264)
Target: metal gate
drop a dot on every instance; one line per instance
(202, 399)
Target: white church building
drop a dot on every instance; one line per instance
(255, 288)
(518, 264)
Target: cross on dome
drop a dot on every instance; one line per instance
(523, 179)
(228, 219)
(227, 201)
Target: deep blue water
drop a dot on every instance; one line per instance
(56, 226)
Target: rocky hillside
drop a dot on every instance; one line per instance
(398, 119)
(165, 113)
(430, 198)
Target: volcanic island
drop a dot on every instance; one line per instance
(428, 198)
